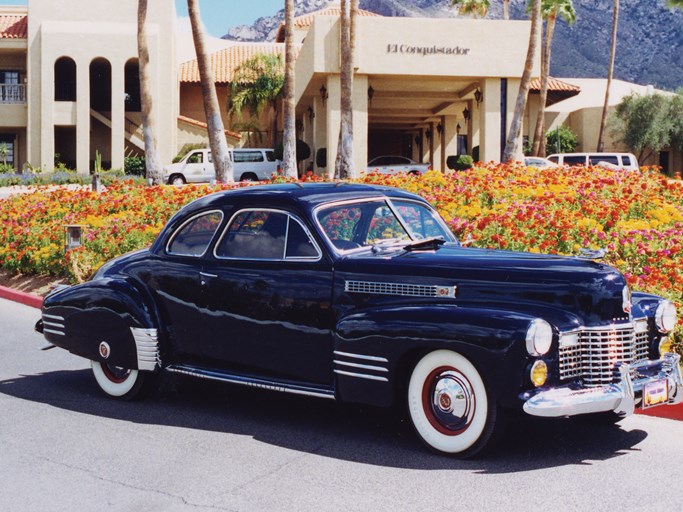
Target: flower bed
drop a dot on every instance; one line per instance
(637, 216)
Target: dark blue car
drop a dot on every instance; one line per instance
(362, 294)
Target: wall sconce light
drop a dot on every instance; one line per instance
(311, 112)
(466, 113)
(299, 125)
(439, 128)
(428, 133)
(458, 128)
(371, 93)
(73, 234)
(418, 139)
(478, 96)
(323, 93)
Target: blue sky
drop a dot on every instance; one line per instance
(218, 15)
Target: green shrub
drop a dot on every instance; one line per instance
(459, 162)
(186, 149)
(134, 165)
(561, 140)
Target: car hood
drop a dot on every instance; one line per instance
(592, 292)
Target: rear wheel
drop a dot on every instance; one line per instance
(248, 176)
(118, 382)
(449, 405)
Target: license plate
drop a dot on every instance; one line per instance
(655, 393)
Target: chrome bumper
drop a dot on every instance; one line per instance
(620, 398)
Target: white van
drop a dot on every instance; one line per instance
(625, 161)
(249, 164)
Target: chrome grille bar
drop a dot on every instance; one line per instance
(593, 355)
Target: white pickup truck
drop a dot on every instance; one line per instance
(394, 164)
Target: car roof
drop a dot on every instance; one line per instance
(304, 195)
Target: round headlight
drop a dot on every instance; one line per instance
(665, 316)
(539, 373)
(539, 336)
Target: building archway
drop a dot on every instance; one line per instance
(132, 85)
(100, 106)
(65, 79)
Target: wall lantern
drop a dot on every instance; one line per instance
(478, 96)
(323, 93)
(428, 133)
(311, 113)
(371, 93)
(439, 128)
(73, 234)
(458, 128)
(466, 113)
(418, 139)
(299, 125)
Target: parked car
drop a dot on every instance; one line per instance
(625, 161)
(249, 164)
(395, 164)
(540, 162)
(362, 294)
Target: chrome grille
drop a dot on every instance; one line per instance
(593, 354)
(402, 289)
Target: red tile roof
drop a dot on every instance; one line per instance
(200, 124)
(13, 25)
(554, 85)
(306, 20)
(225, 62)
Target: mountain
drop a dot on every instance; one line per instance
(649, 47)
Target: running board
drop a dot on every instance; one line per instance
(253, 382)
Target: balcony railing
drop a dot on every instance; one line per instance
(12, 93)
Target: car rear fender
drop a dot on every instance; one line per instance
(107, 320)
(375, 350)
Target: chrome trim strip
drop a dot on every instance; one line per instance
(54, 324)
(54, 332)
(147, 345)
(363, 366)
(400, 289)
(53, 317)
(361, 376)
(251, 382)
(362, 356)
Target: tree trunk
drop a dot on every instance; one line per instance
(538, 148)
(610, 74)
(344, 167)
(214, 121)
(506, 9)
(289, 114)
(512, 149)
(154, 171)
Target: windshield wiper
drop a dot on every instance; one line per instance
(425, 244)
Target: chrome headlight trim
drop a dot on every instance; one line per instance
(539, 337)
(665, 317)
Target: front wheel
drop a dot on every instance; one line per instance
(449, 405)
(118, 382)
(177, 180)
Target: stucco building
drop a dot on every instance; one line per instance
(423, 88)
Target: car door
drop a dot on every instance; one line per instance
(268, 300)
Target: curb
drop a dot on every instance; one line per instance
(28, 299)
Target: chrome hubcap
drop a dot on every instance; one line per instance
(452, 400)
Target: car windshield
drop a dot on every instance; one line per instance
(372, 223)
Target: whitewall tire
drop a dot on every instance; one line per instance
(449, 405)
(117, 382)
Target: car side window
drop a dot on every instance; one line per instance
(627, 160)
(610, 159)
(384, 225)
(248, 156)
(195, 158)
(265, 235)
(270, 156)
(194, 236)
(574, 160)
(553, 159)
(341, 224)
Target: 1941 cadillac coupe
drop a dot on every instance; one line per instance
(362, 294)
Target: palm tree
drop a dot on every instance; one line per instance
(214, 121)
(154, 171)
(512, 148)
(506, 9)
(344, 166)
(257, 84)
(550, 10)
(289, 114)
(610, 74)
(475, 8)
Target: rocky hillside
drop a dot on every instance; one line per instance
(649, 51)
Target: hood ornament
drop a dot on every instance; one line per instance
(591, 254)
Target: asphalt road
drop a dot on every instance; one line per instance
(203, 446)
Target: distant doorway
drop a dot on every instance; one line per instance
(7, 145)
(389, 142)
(664, 161)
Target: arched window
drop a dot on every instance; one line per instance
(132, 85)
(65, 79)
(100, 85)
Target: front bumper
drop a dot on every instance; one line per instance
(620, 398)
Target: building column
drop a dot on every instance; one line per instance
(449, 139)
(46, 142)
(360, 124)
(489, 121)
(319, 131)
(83, 117)
(118, 114)
(431, 130)
(332, 106)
